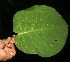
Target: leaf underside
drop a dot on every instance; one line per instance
(41, 30)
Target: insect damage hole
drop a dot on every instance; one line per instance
(55, 40)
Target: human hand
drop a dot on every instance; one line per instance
(7, 49)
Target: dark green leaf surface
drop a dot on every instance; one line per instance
(41, 30)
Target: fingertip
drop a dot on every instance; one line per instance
(14, 35)
(9, 38)
(6, 41)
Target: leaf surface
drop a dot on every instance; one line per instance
(41, 30)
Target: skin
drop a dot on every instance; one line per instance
(7, 49)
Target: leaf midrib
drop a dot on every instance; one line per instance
(29, 31)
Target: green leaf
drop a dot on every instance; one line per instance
(41, 30)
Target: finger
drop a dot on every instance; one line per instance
(4, 56)
(0, 40)
(10, 45)
(10, 49)
(6, 41)
(12, 41)
(1, 44)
